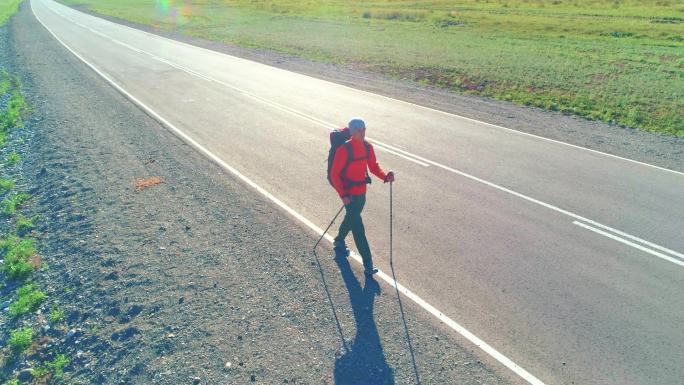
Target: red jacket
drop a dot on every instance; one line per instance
(356, 171)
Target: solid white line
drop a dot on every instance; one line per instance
(119, 42)
(246, 93)
(626, 242)
(380, 147)
(385, 97)
(388, 148)
(536, 201)
(413, 157)
(462, 331)
(632, 237)
(178, 66)
(422, 303)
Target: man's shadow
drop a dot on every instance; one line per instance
(364, 362)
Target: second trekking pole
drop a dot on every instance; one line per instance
(391, 222)
(396, 287)
(327, 228)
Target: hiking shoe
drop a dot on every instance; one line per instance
(370, 272)
(341, 250)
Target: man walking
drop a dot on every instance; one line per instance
(349, 176)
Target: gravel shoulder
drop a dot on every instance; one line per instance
(197, 279)
(657, 149)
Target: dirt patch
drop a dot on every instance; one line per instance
(142, 184)
(35, 261)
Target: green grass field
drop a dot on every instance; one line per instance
(7, 9)
(617, 61)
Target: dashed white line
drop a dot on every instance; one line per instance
(637, 239)
(396, 100)
(544, 204)
(389, 148)
(422, 303)
(246, 93)
(629, 243)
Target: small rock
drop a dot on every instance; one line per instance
(25, 375)
(195, 380)
(79, 353)
(228, 365)
(170, 335)
(71, 333)
(134, 310)
(125, 334)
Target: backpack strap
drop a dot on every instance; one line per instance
(346, 182)
(368, 150)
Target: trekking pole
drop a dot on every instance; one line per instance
(396, 287)
(327, 228)
(391, 222)
(325, 285)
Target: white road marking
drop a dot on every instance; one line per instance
(246, 93)
(647, 243)
(399, 152)
(396, 100)
(626, 242)
(536, 201)
(178, 66)
(383, 148)
(419, 301)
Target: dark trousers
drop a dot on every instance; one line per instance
(352, 222)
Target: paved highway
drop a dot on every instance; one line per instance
(566, 261)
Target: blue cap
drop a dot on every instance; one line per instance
(356, 124)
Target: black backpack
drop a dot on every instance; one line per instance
(338, 138)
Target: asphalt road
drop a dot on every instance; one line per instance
(567, 261)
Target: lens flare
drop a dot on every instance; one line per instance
(172, 12)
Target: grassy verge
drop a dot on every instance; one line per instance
(618, 61)
(22, 327)
(7, 9)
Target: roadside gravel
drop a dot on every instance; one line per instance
(197, 279)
